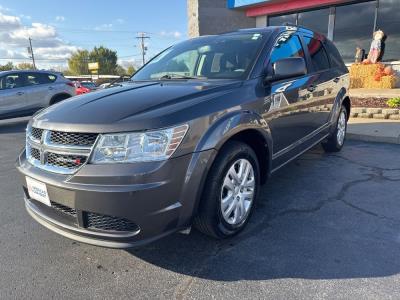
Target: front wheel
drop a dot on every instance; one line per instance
(335, 142)
(230, 192)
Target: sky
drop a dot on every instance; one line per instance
(58, 28)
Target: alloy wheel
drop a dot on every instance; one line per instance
(237, 193)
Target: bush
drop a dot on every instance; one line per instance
(394, 102)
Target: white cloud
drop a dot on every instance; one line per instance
(104, 27)
(26, 17)
(174, 34)
(136, 62)
(48, 47)
(4, 9)
(60, 18)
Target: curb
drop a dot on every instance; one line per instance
(375, 113)
(371, 138)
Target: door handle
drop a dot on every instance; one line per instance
(311, 88)
(20, 93)
(336, 80)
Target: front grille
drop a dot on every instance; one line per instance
(103, 222)
(65, 161)
(36, 133)
(35, 153)
(64, 209)
(44, 148)
(73, 139)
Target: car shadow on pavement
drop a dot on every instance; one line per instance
(306, 225)
(13, 125)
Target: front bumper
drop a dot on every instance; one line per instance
(154, 198)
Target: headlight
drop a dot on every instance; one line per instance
(138, 146)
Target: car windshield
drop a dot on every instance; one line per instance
(228, 56)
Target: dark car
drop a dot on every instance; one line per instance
(189, 140)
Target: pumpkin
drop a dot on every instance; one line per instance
(388, 70)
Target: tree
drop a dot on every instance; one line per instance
(107, 59)
(119, 70)
(130, 70)
(78, 62)
(7, 67)
(25, 66)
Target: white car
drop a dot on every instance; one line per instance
(24, 92)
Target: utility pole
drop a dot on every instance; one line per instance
(142, 36)
(30, 51)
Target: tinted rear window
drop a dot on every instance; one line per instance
(334, 55)
(319, 57)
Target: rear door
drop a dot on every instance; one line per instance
(287, 108)
(12, 94)
(323, 81)
(38, 90)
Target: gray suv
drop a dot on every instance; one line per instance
(24, 92)
(188, 141)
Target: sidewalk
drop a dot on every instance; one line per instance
(373, 130)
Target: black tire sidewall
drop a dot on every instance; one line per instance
(243, 152)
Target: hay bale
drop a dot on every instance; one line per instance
(365, 76)
(386, 82)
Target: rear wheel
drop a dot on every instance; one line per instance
(335, 142)
(230, 192)
(58, 98)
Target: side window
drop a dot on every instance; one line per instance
(318, 55)
(48, 78)
(10, 81)
(32, 79)
(287, 45)
(334, 55)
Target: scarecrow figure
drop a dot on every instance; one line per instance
(376, 47)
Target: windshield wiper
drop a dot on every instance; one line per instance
(179, 76)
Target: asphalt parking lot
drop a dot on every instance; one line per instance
(326, 226)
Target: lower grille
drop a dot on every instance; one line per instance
(103, 222)
(35, 153)
(64, 209)
(65, 161)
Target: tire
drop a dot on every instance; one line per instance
(211, 219)
(336, 140)
(58, 98)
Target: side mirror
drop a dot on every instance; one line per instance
(287, 68)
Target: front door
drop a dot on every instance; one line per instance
(287, 105)
(12, 94)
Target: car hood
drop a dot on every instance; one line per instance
(132, 106)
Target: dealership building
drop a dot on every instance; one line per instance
(349, 24)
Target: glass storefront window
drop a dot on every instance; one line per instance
(316, 20)
(389, 23)
(280, 20)
(354, 26)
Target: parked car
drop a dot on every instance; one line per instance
(80, 89)
(84, 87)
(189, 140)
(24, 92)
(104, 85)
(89, 85)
